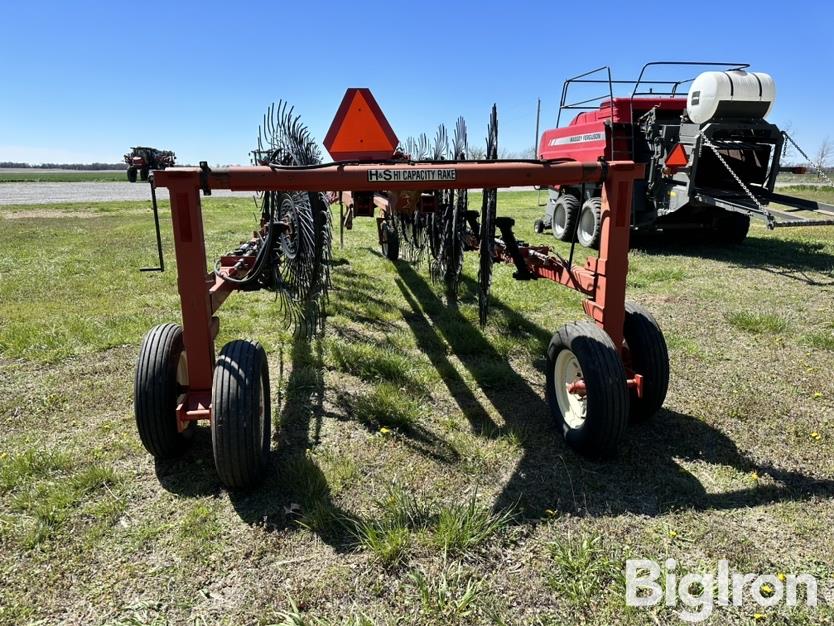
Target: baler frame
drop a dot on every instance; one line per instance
(692, 182)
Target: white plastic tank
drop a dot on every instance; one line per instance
(734, 93)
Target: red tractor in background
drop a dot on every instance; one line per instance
(711, 157)
(141, 160)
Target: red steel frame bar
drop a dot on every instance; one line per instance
(602, 278)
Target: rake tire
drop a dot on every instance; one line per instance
(156, 390)
(599, 432)
(241, 414)
(649, 357)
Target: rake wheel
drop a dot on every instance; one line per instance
(450, 217)
(295, 252)
(487, 235)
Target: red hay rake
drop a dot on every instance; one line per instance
(600, 373)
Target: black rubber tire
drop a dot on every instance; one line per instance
(390, 242)
(538, 227)
(605, 379)
(648, 356)
(240, 432)
(131, 174)
(571, 206)
(144, 172)
(731, 227)
(593, 209)
(155, 392)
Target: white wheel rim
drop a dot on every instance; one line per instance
(560, 219)
(182, 377)
(574, 407)
(587, 225)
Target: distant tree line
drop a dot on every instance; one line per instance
(66, 166)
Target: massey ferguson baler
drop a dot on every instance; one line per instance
(711, 157)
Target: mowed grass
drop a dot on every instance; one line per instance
(81, 176)
(415, 475)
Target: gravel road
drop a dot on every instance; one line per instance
(52, 193)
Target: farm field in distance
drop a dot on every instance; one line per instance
(415, 477)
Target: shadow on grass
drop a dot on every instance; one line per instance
(294, 490)
(806, 261)
(646, 478)
(191, 475)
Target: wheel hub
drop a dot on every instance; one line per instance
(587, 225)
(560, 218)
(569, 387)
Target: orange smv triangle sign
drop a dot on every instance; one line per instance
(360, 131)
(677, 157)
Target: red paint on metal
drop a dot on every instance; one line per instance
(602, 278)
(578, 388)
(340, 177)
(360, 130)
(608, 304)
(193, 285)
(599, 134)
(197, 406)
(636, 383)
(183, 220)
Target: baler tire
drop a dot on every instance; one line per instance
(160, 374)
(390, 243)
(131, 174)
(143, 173)
(538, 227)
(590, 223)
(563, 229)
(647, 356)
(731, 228)
(594, 425)
(241, 414)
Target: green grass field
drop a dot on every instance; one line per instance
(415, 475)
(36, 176)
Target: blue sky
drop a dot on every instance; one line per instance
(84, 81)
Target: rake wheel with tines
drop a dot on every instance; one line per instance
(450, 222)
(292, 254)
(489, 207)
